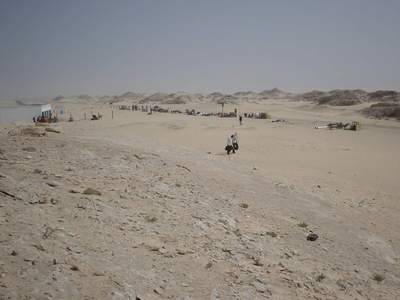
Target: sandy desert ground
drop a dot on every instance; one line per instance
(173, 217)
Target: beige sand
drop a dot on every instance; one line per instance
(179, 219)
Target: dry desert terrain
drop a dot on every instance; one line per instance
(150, 207)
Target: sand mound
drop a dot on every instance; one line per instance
(335, 97)
(338, 97)
(274, 94)
(383, 110)
(348, 97)
(173, 98)
(220, 98)
(27, 131)
(384, 96)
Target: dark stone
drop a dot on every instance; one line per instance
(29, 149)
(74, 268)
(243, 205)
(312, 237)
(91, 191)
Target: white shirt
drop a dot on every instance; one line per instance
(229, 141)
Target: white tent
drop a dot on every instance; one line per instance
(46, 110)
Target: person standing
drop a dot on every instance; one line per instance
(240, 120)
(235, 142)
(229, 146)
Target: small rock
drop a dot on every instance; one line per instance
(260, 286)
(97, 273)
(74, 268)
(14, 253)
(227, 250)
(52, 184)
(209, 265)
(48, 232)
(49, 129)
(54, 261)
(181, 251)
(243, 205)
(32, 261)
(42, 201)
(303, 225)
(157, 291)
(154, 247)
(91, 191)
(280, 184)
(150, 219)
(342, 284)
(29, 149)
(37, 171)
(320, 277)
(287, 255)
(163, 250)
(33, 201)
(74, 191)
(312, 237)
(257, 262)
(39, 247)
(272, 234)
(81, 206)
(378, 277)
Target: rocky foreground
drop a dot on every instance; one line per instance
(88, 219)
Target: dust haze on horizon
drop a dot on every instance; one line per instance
(102, 47)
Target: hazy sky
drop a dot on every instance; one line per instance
(50, 47)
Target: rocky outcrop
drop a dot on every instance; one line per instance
(383, 110)
(338, 97)
(384, 96)
(275, 94)
(335, 97)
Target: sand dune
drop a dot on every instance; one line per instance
(315, 99)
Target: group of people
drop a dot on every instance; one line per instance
(232, 143)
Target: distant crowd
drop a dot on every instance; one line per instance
(192, 112)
